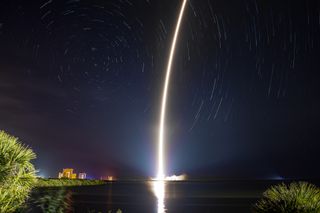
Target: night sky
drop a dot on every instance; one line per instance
(81, 83)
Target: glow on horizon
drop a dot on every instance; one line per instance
(161, 173)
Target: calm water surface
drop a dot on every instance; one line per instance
(177, 197)
(139, 197)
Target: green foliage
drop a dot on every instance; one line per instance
(298, 197)
(17, 173)
(55, 201)
(42, 182)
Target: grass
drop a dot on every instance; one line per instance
(298, 197)
(51, 182)
(17, 173)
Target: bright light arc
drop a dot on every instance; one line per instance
(161, 174)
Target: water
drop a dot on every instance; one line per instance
(180, 197)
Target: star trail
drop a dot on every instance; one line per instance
(80, 83)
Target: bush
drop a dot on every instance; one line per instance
(298, 197)
(54, 201)
(52, 182)
(17, 174)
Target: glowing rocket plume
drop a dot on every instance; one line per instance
(161, 174)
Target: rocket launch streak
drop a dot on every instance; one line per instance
(161, 175)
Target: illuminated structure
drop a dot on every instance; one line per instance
(108, 178)
(67, 173)
(82, 175)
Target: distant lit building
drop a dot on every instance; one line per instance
(60, 175)
(108, 178)
(82, 175)
(67, 173)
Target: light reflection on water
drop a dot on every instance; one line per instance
(159, 192)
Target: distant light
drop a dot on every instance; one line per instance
(41, 175)
(172, 178)
(176, 177)
(277, 177)
(108, 178)
(82, 175)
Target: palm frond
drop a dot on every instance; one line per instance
(17, 173)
